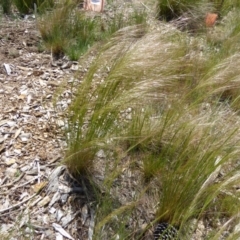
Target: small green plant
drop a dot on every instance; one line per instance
(54, 28)
(87, 34)
(17, 174)
(65, 30)
(190, 171)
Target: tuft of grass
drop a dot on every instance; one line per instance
(153, 102)
(55, 28)
(67, 30)
(96, 104)
(87, 34)
(189, 166)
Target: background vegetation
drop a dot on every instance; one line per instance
(68, 30)
(26, 6)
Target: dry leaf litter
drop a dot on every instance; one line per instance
(35, 188)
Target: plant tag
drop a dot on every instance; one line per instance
(94, 5)
(96, 2)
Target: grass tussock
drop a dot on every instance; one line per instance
(163, 107)
(71, 31)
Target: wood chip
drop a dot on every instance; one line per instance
(7, 68)
(59, 228)
(17, 133)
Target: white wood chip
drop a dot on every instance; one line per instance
(55, 198)
(7, 68)
(52, 210)
(84, 214)
(91, 225)
(23, 195)
(17, 133)
(25, 137)
(29, 99)
(59, 215)
(64, 189)
(59, 228)
(67, 219)
(3, 122)
(44, 201)
(59, 236)
(11, 123)
(17, 151)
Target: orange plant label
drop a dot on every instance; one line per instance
(211, 19)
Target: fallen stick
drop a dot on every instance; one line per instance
(13, 182)
(18, 204)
